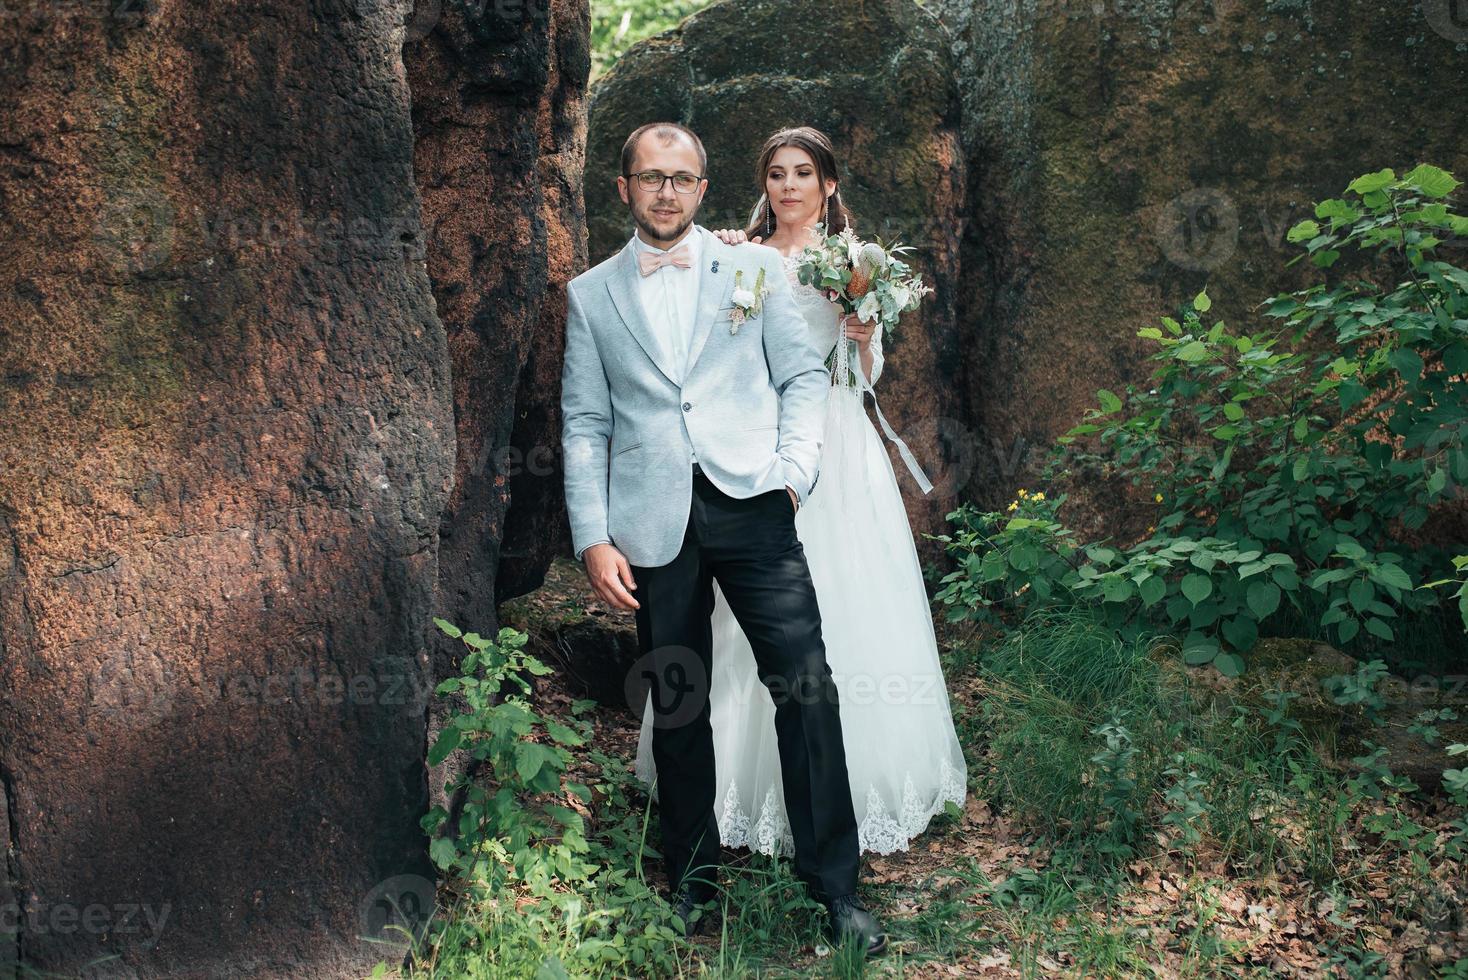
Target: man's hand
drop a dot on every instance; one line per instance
(610, 576)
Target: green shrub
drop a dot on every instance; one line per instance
(1285, 461)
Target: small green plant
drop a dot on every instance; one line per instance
(524, 755)
(536, 889)
(1008, 562)
(1185, 800)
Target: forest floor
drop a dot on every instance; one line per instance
(990, 894)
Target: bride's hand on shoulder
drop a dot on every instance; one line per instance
(736, 236)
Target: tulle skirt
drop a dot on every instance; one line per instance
(902, 752)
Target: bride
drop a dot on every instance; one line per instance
(902, 753)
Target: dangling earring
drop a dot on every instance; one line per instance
(769, 216)
(828, 212)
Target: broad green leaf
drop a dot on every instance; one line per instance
(1193, 350)
(1433, 181)
(1197, 587)
(1233, 411)
(1263, 599)
(1241, 632)
(1303, 232)
(1407, 362)
(1368, 183)
(1229, 664)
(1199, 648)
(1379, 628)
(1152, 589)
(1109, 402)
(448, 740)
(443, 852)
(1393, 575)
(1360, 592)
(1202, 303)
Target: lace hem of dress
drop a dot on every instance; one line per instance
(879, 831)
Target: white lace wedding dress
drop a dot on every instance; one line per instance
(902, 753)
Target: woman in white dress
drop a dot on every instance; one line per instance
(902, 753)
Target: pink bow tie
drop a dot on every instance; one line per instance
(650, 262)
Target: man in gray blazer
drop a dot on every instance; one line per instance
(693, 409)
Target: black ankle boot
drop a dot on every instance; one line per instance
(695, 906)
(850, 917)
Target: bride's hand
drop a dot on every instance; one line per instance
(732, 236)
(858, 331)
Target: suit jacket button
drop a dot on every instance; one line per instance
(687, 406)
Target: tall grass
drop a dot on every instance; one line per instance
(1095, 738)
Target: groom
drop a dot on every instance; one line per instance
(694, 406)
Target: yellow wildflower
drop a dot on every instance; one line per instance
(1158, 498)
(1013, 506)
(1039, 496)
(1022, 493)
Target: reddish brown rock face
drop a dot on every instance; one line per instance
(227, 446)
(499, 119)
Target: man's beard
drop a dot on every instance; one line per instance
(653, 234)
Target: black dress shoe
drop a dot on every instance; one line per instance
(850, 917)
(688, 903)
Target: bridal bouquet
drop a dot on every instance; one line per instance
(865, 278)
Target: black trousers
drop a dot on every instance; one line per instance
(749, 546)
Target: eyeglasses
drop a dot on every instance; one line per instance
(651, 180)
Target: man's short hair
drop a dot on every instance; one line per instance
(667, 132)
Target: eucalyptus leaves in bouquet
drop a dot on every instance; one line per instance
(868, 279)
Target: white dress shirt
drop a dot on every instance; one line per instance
(669, 297)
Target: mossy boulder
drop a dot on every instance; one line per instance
(1123, 156)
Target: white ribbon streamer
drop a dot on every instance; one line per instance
(842, 370)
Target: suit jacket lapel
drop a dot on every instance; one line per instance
(622, 285)
(713, 291)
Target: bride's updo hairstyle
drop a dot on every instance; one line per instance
(762, 219)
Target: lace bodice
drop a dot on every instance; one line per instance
(824, 318)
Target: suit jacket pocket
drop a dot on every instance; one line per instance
(625, 449)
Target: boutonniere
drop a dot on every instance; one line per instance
(747, 302)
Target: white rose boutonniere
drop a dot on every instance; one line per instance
(747, 302)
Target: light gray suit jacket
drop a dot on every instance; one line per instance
(751, 405)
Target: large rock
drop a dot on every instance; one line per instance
(499, 117)
(228, 443)
(1123, 156)
(876, 77)
(499, 121)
